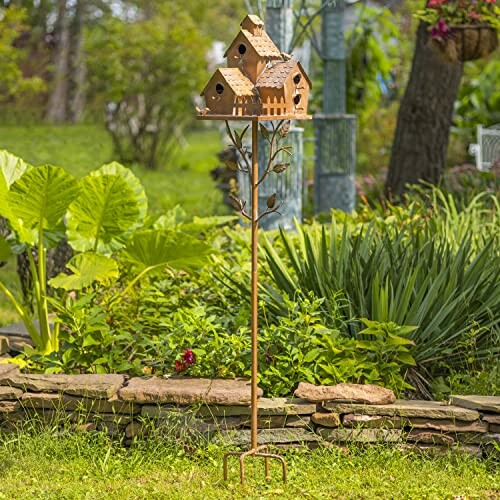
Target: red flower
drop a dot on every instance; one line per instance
(180, 366)
(189, 357)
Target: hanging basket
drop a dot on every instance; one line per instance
(467, 43)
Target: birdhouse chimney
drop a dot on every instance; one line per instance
(253, 24)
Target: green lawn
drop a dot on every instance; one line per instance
(90, 466)
(81, 148)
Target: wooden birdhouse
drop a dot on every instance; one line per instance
(259, 80)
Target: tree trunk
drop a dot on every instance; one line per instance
(424, 119)
(79, 68)
(58, 101)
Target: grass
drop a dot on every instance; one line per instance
(82, 148)
(89, 465)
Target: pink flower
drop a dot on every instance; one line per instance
(433, 4)
(475, 16)
(441, 31)
(189, 357)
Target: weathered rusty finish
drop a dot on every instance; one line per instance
(260, 451)
(255, 277)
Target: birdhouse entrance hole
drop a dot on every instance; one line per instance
(296, 78)
(296, 99)
(242, 48)
(219, 88)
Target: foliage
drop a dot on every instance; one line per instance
(147, 71)
(478, 100)
(449, 260)
(12, 82)
(440, 14)
(102, 212)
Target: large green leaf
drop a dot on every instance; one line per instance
(11, 168)
(114, 168)
(101, 216)
(39, 199)
(158, 247)
(87, 268)
(5, 251)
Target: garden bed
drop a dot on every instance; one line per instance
(218, 410)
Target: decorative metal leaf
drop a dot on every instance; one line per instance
(280, 167)
(271, 201)
(284, 129)
(264, 131)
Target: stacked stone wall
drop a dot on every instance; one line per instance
(219, 410)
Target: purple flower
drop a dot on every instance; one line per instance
(441, 31)
(189, 357)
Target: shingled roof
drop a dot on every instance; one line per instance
(262, 44)
(276, 75)
(237, 81)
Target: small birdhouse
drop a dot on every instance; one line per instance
(259, 80)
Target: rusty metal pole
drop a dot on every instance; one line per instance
(255, 299)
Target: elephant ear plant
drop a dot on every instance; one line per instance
(102, 216)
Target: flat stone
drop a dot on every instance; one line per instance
(411, 408)
(157, 411)
(480, 403)
(4, 345)
(18, 329)
(15, 416)
(186, 391)
(279, 421)
(491, 437)
(372, 421)
(18, 344)
(492, 419)
(360, 435)
(430, 437)
(352, 393)
(66, 402)
(495, 428)
(298, 421)
(9, 393)
(267, 406)
(443, 450)
(7, 369)
(90, 385)
(9, 406)
(267, 436)
(134, 429)
(448, 425)
(326, 419)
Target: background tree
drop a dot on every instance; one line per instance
(424, 119)
(146, 71)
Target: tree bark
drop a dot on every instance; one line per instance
(79, 68)
(57, 111)
(424, 119)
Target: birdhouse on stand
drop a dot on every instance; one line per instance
(259, 80)
(260, 84)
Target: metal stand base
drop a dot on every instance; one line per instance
(260, 451)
